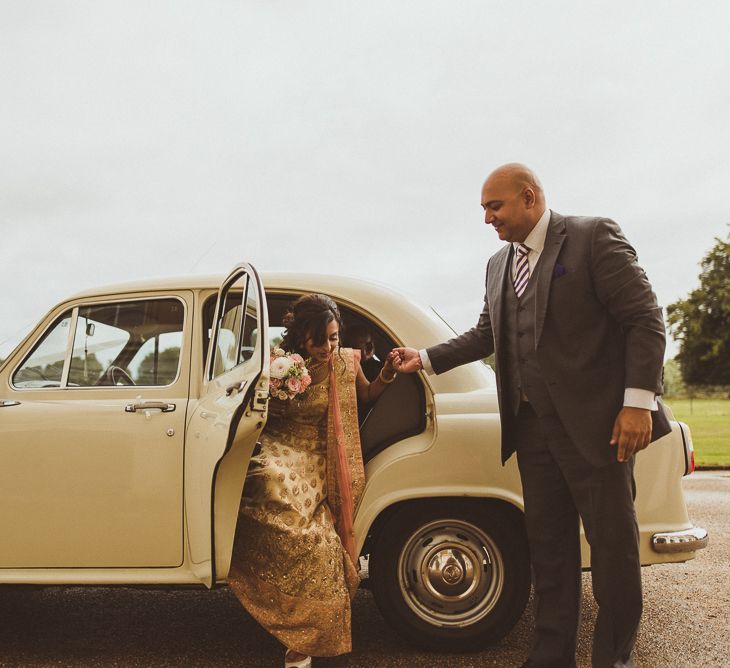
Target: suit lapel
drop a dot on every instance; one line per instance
(545, 267)
(497, 283)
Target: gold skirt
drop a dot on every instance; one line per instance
(289, 569)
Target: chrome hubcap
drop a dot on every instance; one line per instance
(451, 573)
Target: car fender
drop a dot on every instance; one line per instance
(458, 455)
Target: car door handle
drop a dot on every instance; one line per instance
(149, 405)
(4, 403)
(235, 387)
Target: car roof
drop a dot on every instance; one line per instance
(335, 285)
(403, 317)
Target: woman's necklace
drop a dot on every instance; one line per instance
(313, 366)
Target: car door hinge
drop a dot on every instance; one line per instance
(260, 400)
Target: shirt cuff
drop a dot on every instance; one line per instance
(638, 398)
(425, 362)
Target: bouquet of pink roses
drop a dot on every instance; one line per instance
(289, 376)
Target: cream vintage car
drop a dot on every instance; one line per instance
(129, 414)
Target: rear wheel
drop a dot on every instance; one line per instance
(451, 575)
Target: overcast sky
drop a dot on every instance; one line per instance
(163, 138)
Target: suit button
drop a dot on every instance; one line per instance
(520, 334)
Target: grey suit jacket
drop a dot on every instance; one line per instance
(598, 330)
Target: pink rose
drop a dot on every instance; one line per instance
(275, 383)
(297, 358)
(305, 382)
(294, 385)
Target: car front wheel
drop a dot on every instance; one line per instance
(451, 574)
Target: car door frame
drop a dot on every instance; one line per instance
(214, 479)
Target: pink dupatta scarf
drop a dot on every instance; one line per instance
(345, 471)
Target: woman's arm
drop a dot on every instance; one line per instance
(369, 392)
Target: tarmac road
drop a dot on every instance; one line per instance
(686, 618)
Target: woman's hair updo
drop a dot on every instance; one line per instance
(307, 318)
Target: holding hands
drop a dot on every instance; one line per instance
(405, 360)
(387, 373)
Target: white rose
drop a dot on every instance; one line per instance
(278, 352)
(282, 395)
(280, 366)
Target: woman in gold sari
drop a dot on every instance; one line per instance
(294, 563)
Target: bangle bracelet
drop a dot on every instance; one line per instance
(382, 378)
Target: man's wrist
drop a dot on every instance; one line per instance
(635, 397)
(424, 362)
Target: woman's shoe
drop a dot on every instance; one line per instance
(306, 662)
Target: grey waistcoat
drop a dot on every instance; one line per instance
(523, 369)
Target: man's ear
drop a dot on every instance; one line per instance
(528, 195)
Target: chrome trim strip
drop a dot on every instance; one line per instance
(687, 446)
(69, 347)
(687, 540)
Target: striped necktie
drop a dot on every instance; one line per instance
(522, 270)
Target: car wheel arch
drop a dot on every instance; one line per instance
(468, 502)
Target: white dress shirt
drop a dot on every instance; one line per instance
(535, 241)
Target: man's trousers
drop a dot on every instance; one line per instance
(560, 488)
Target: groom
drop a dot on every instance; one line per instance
(579, 344)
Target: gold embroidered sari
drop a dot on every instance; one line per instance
(289, 567)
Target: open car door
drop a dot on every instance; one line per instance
(226, 423)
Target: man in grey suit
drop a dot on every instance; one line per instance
(579, 344)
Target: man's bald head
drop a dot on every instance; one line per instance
(513, 201)
(519, 176)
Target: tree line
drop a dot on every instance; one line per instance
(701, 324)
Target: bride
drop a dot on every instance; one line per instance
(294, 559)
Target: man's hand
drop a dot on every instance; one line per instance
(406, 360)
(631, 431)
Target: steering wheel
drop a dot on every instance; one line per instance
(115, 375)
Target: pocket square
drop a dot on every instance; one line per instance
(559, 270)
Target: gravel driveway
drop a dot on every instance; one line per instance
(686, 618)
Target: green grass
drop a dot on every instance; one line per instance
(709, 421)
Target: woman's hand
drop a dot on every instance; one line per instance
(389, 369)
(277, 407)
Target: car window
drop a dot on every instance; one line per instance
(127, 343)
(96, 345)
(121, 343)
(44, 366)
(237, 326)
(157, 360)
(276, 336)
